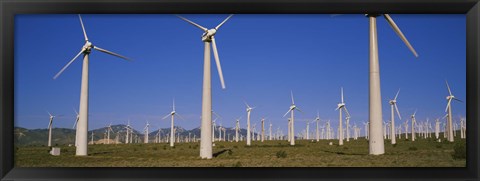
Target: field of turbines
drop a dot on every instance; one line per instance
(306, 153)
(364, 135)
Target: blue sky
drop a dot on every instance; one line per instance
(263, 58)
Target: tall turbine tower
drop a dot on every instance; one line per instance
(393, 103)
(172, 131)
(146, 132)
(237, 128)
(293, 107)
(449, 98)
(207, 38)
(249, 136)
(340, 107)
(414, 122)
(82, 126)
(317, 119)
(376, 145)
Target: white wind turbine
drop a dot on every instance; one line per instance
(249, 110)
(393, 103)
(341, 106)
(293, 107)
(263, 129)
(50, 129)
(208, 37)
(270, 131)
(376, 143)
(109, 128)
(75, 124)
(414, 122)
(450, 97)
(172, 131)
(146, 132)
(82, 125)
(237, 128)
(317, 119)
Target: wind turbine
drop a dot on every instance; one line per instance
(146, 132)
(208, 37)
(82, 125)
(172, 132)
(317, 119)
(414, 122)
(341, 106)
(109, 128)
(74, 125)
(50, 129)
(249, 110)
(270, 131)
(237, 128)
(450, 97)
(393, 103)
(376, 143)
(293, 107)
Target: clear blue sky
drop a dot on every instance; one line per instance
(263, 57)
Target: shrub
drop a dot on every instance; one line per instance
(394, 145)
(230, 152)
(155, 148)
(238, 164)
(235, 146)
(281, 154)
(412, 148)
(459, 151)
(438, 146)
(221, 146)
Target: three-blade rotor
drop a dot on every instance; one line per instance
(293, 106)
(450, 97)
(86, 50)
(209, 36)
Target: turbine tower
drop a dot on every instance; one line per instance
(341, 106)
(75, 124)
(376, 144)
(317, 119)
(146, 132)
(208, 37)
(172, 131)
(82, 125)
(249, 137)
(237, 128)
(448, 109)
(414, 122)
(293, 107)
(393, 103)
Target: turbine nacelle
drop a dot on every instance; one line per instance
(392, 102)
(87, 47)
(207, 36)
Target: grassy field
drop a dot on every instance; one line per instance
(421, 153)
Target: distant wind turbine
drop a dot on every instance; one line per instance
(50, 129)
(393, 103)
(82, 125)
(293, 107)
(249, 110)
(340, 107)
(172, 131)
(448, 109)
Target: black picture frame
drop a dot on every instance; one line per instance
(9, 8)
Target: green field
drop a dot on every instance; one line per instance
(421, 153)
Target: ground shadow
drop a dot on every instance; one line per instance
(220, 152)
(343, 153)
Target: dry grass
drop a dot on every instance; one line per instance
(421, 153)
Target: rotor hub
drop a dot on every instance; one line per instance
(207, 36)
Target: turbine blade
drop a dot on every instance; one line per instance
(219, 25)
(345, 108)
(75, 124)
(448, 104)
(399, 33)
(173, 104)
(176, 114)
(450, 92)
(246, 104)
(458, 99)
(291, 94)
(217, 61)
(111, 53)
(83, 28)
(218, 116)
(398, 112)
(397, 94)
(68, 64)
(166, 116)
(50, 123)
(194, 24)
(287, 113)
(341, 89)
(75, 111)
(298, 109)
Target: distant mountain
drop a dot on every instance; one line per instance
(66, 136)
